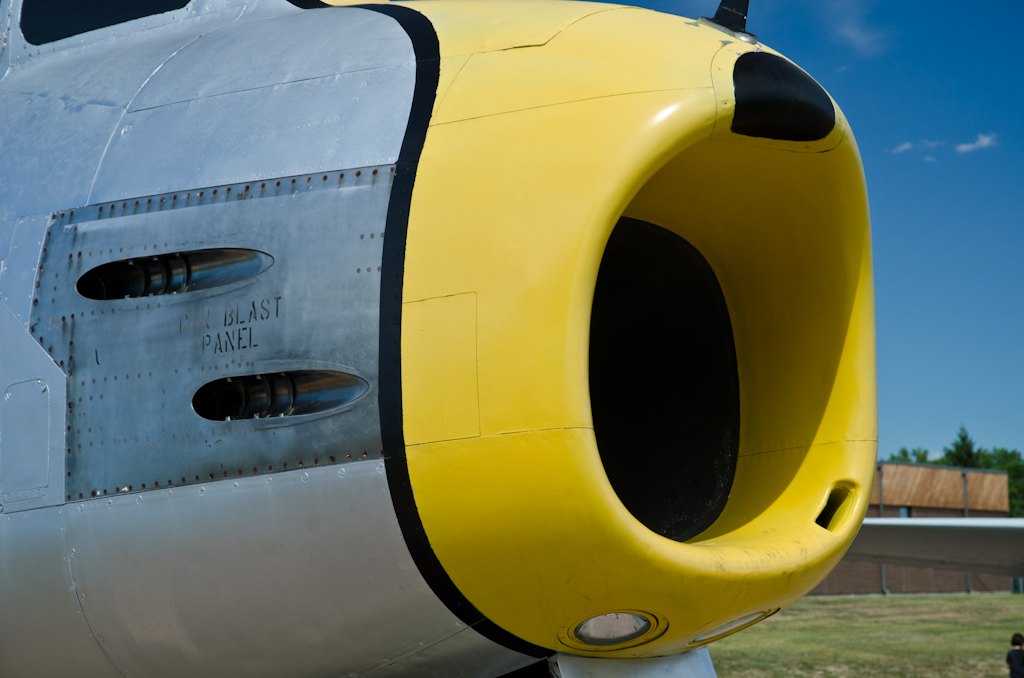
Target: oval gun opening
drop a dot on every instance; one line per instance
(282, 394)
(664, 386)
(174, 273)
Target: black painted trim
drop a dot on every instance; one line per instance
(777, 100)
(733, 15)
(309, 4)
(425, 44)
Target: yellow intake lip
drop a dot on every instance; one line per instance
(532, 157)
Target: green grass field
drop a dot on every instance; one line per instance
(948, 636)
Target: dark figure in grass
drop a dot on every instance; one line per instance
(1015, 657)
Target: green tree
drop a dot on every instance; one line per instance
(962, 453)
(918, 455)
(1011, 462)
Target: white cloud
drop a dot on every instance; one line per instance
(929, 158)
(983, 141)
(903, 148)
(925, 143)
(849, 19)
(867, 41)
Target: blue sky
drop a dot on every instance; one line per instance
(933, 92)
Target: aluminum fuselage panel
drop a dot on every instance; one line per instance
(282, 570)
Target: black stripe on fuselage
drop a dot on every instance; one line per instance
(309, 4)
(428, 63)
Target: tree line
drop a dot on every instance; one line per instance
(963, 453)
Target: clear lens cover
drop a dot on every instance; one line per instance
(734, 625)
(612, 629)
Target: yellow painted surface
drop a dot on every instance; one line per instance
(439, 336)
(532, 159)
(574, 70)
(468, 26)
(450, 68)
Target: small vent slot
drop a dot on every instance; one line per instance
(171, 273)
(837, 508)
(282, 394)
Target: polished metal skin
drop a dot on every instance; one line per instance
(31, 420)
(313, 308)
(695, 664)
(137, 538)
(976, 544)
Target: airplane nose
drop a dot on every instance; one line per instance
(636, 356)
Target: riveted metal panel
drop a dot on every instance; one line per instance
(24, 439)
(260, 52)
(32, 393)
(42, 629)
(297, 573)
(19, 271)
(62, 104)
(347, 120)
(134, 365)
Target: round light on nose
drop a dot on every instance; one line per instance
(733, 626)
(612, 629)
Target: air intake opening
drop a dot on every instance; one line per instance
(837, 508)
(283, 394)
(664, 387)
(171, 273)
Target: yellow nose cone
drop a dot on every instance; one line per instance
(553, 124)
